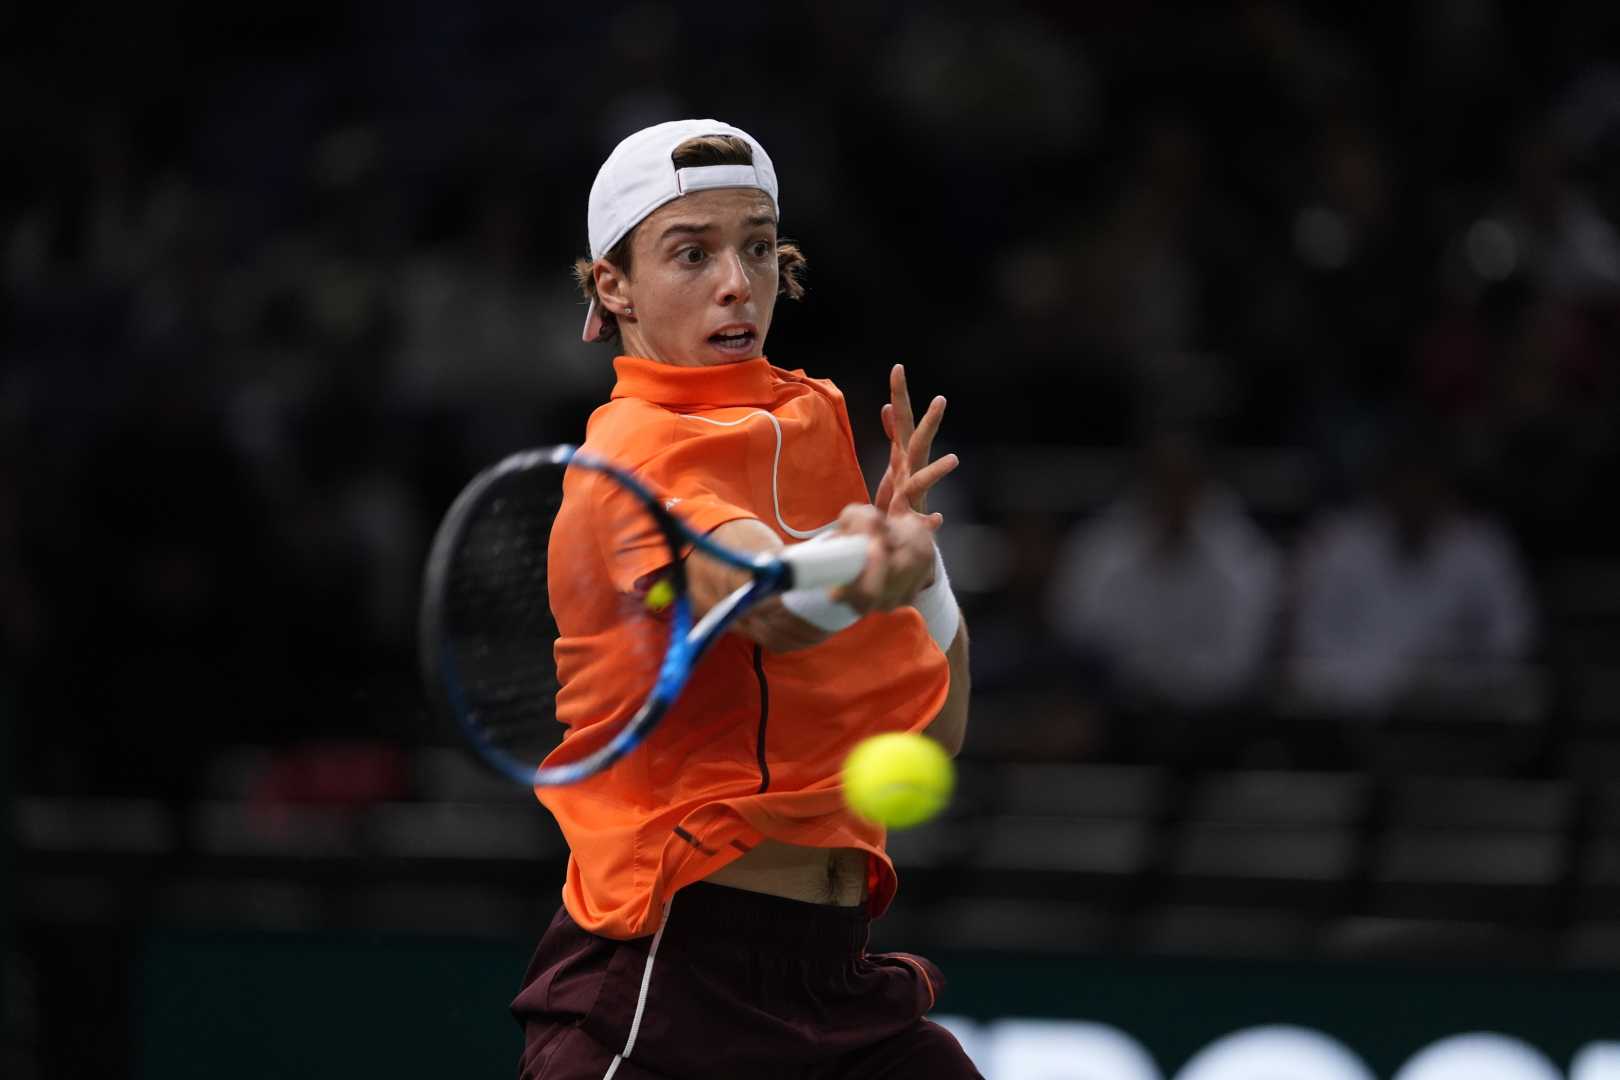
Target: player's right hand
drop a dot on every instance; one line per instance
(899, 564)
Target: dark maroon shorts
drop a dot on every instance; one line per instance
(736, 984)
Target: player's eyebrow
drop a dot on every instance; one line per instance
(694, 228)
(685, 227)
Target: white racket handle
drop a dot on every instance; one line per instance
(827, 561)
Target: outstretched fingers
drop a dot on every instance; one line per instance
(900, 399)
(910, 474)
(926, 477)
(922, 440)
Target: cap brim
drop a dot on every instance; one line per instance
(595, 325)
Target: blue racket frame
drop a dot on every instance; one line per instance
(688, 640)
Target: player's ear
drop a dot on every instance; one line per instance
(612, 286)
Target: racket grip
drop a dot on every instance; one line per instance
(826, 562)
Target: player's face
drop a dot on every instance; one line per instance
(703, 279)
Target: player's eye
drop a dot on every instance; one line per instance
(690, 255)
(760, 249)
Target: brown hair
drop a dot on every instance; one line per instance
(702, 150)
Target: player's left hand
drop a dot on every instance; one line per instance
(906, 482)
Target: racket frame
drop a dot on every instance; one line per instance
(688, 642)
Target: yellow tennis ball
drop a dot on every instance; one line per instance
(660, 596)
(898, 780)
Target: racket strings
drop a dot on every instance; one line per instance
(498, 620)
(515, 557)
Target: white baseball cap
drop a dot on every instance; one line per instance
(640, 176)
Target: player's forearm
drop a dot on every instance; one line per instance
(710, 581)
(949, 728)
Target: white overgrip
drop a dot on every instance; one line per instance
(826, 562)
(818, 565)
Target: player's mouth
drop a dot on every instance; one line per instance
(736, 338)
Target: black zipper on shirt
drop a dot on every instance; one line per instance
(764, 715)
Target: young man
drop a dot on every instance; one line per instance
(719, 891)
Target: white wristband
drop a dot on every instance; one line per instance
(937, 605)
(819, 609)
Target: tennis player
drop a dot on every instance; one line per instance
(719, 892)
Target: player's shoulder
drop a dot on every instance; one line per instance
(629, 430)
(825, 388)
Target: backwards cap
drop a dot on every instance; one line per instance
(640, 176)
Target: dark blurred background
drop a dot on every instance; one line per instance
(1282, 342)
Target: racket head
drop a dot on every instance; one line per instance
(488, 625)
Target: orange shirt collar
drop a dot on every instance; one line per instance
(746, 382)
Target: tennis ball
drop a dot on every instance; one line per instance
(660, 596)
(898, 780)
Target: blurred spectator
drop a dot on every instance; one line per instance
(1525, 379)
(1139, 290)
(1172, 587)
(1552, 227)
(1405, 586)
(1345, 245)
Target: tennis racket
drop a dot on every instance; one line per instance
(503, 563)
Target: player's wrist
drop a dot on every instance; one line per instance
(937, 605)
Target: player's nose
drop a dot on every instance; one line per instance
(734, 287)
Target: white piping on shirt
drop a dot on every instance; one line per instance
(776, 501)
